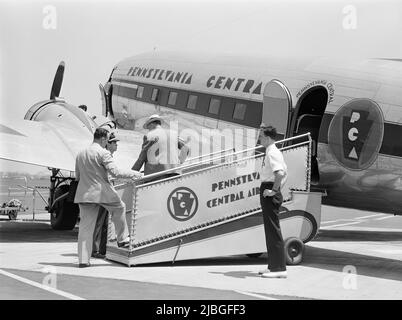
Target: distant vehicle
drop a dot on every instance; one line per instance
(11, 208)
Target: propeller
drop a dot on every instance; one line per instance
(58, 81)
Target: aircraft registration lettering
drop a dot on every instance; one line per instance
(235, 84)
(160, 74)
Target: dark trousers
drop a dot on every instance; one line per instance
(100, 232)
(273, 235)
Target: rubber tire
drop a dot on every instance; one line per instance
(65, 213)
(294, 249)
(254, 255)
(12, 215)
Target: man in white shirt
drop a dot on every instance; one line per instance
(273, 177)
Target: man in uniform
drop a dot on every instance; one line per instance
(273, 177)
(100, 232)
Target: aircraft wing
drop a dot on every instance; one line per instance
(47, 144)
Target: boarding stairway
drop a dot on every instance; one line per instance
(211, 208)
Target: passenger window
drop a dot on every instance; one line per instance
(172, 98)
(239, 111)
(192, 102)
(155, 94)
(140, 92)
(214, 106)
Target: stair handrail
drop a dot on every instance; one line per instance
(210, 154)
(187, 166)
(141, 182)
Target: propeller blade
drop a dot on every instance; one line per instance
(58, 81)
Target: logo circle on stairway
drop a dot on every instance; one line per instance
(182, 204)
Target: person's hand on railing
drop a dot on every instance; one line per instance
(149, 144)
(137, 175)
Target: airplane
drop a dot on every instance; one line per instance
(351, 107)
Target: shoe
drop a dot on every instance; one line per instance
(264, 271)
(124, 244)
(275, 274)
(98, 255)
(84, 265)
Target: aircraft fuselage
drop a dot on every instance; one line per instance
(352, 108)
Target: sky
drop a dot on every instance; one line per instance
(92, 36)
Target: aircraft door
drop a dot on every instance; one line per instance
(277, 105)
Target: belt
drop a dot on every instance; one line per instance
(270, 182)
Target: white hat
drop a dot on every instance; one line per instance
(152, 118)
(113, 138)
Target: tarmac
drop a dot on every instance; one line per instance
(356, 255)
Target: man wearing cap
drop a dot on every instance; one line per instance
(157, 153)
(83, 107)
(100, 232)
(93, 166)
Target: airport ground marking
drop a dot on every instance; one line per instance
(356, 220)
(341, 225)
(370, 216)
(383, 218)
(41, 286)
(255, 295)
(338, 220)
(385, 230)
(359, 218)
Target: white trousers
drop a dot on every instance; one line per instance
(88, 216)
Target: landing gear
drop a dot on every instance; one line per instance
(294, 249)
(64, 213)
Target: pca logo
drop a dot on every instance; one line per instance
(182, 204)
(355, 134)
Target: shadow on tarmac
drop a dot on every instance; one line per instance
(326, 259)
(350, 236)
(319, 258)
(240, 274)
(370, 266)
(19, 232)
(216, 261)
(70, 264)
